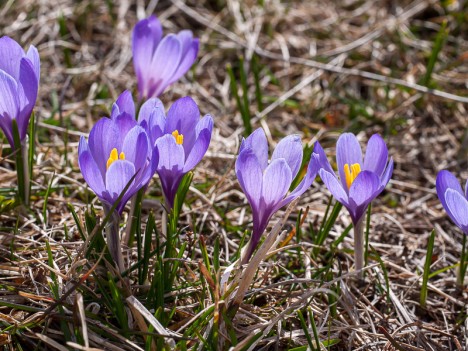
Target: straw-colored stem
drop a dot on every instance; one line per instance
(359, 246)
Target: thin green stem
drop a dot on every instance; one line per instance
(461, 272)
(26, 175)
(113, 239)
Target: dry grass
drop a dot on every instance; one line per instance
(326, 67)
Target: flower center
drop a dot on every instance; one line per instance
(351, 173)
(179, 138)
(114, 156)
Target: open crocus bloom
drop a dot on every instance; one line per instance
(360, 181)
(159, 61)
(19, 82)
(454, 200)
(117, 151)
(266, 184)
(180, 140)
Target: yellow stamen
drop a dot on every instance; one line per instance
(351, 173)
(179, 138)
(114, 156)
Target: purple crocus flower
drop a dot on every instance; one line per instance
(159, 61)
(19, 82)
(454, 200)
(180, 140)
(266, 184)
(360, 181)
(118, 150)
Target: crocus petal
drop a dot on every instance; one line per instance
(9, 108)
(165, 60)
(27, 95)
(146, 36)
(250, 175)
(466, 189)
(258, 143)
(277, 179)
(198, 150)
(7, 127)
(457, 206)
(444, 181)
(290, 149)
(33, 56)
(364, 189)
(205, 123)
(89, 168)
(183, 116)
(171, 159)
(306, 182)
(334, 186)
(387, 174)
(104, 136)
(11, 54)
(124, 104)
(171, 155)
(136, 148)
(152, 118)
(124, 122)
(376, 155)
(190, 48)
(320, 157)
(8, 96)
(118, 176)
(348, 151)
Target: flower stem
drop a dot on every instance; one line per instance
(133, 215)
(26, 175)
(22, 166)
(359, 246)
(463, 259)
(113, 239)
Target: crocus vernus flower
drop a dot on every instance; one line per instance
(266, 184)
(180, 140)
(360, 181)
(455, 203)
(116, 158)
(117, 151)
(19, 82)
(454, 200)
(159, 61)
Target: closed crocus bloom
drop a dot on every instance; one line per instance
(160, 61)
(360, 180)
(266, 184)
(118, 150)
(454, 200)
(19, 82)
(180, 140)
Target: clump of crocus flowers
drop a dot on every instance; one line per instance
(19, 83)
(127, 149)
(360, 180)
(266, 183)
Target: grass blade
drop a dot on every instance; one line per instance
(427, 269)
